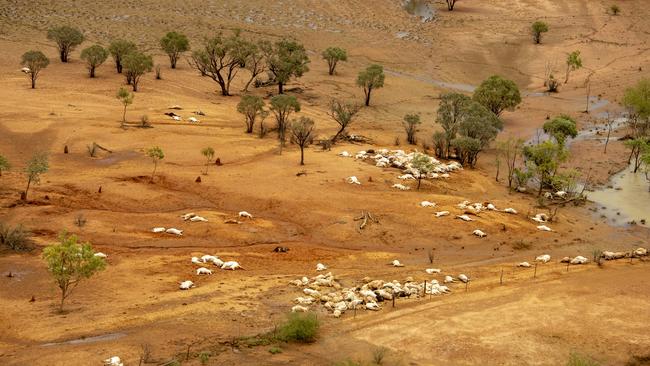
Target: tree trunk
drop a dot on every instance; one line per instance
(62, 301)
(155, 165)
(29, 182)
(332, 66)
(64, 55)
(118, 65)
(280, 88)
(92, 71)
(33, 81)
(302, 155)
(368, 97)
(172, 60)
(248, 84)
(609, 131)
(124, 116)
(419, 181)
(134, 82)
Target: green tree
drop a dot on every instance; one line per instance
(498, 94)
(411, 123)
(467, 149)
(221, 57)
(118, 49)
(4, 164)
(255, 61)
(450, 4)
(70, 262)
(156, 154)
(66, 38)
(479, 124)
(36, 166)
(511, 149)
(543, 161)
(637, 100)
(282, 106)
(126, 98)
(136, 65)
(33, 62)
(638, 147)
(208, 152)
(451, 111)
(286, 59)
(537, 29)
(94, 56)
(333, 55)
(251, 107)
(561, 128)
(343, 114)
(302, 134)
(615, 10)
(422, 163)
(573, 62)
(174, 44)
(370, 79)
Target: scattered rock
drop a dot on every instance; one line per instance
(198, 179)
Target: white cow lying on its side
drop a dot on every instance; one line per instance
(186, 285)
(479, 233)
(245, 214)
(158, 230)
(442, 213)
(544, 258)
(427, 204)
(232, 265)
(353, 180)
(203, 271)
(174, 231)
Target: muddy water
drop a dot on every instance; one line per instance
(419, 8)
(628, 198)
(105, 337)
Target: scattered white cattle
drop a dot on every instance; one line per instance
(396, 263)
(491, 207)
(217, 262)
(544, 228)
(427, 204)
(432, 270)
(196, 260)
(579, 260)
(193, 120)
(299, 309)
(449, 279)
(186, 285)
(174, 231)
(510, 210)
(464, 218)
(100, 255)
(463, 278)
(176, 118)
(353, 180)
(203, 271)
(524, 264)
(345, 154)
(406, 176)
(544, 258)
(479, 233)
(640, 252)
(245, 214)
(208, 258)
(372, 306)
(311, 292)
(303, 300)
(540, 217)
(442, 213)
(198, 219)
(607, 255)
(321, 267)
(188, 216)
(232, 265)
(26, 70)
(113, 361)
(158, 230)
(561, 194)
(401, 187)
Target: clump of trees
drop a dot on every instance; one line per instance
(561, 128)
(94, 56)
(174, 44)
(637, 100)
(120, 48)
(126, 98)
(343, 113)
(333, 55)
(510, 149)
(70, 262)
(286, 59)
(302, 134)
(411, 123)
(573, 62)
(36, 166)
(136, 64)
(34, 61)
(370, 79)
(282, 106)
(536, 29)
(468, 128)
(543, 161)
(66, 38)
(498, 94)
(252, 107)
(156, 154)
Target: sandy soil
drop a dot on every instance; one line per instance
(135, 301)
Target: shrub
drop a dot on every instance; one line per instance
(14, 237)
(275, 350)
(378, 355)
(204, 357)
(537, 29)
(579, 360)
(299, 327)
(614, 9)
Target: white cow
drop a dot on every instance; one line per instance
(186, 285)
